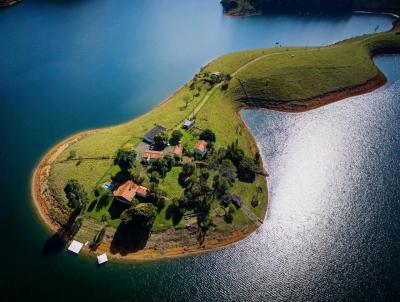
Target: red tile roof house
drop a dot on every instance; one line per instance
(177, 150)
(200, 149)
(128, 190)
(152, 155)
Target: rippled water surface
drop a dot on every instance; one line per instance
(332, 230)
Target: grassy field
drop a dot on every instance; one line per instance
(284, 74)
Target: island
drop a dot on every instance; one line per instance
(257, 7)
(187, 177)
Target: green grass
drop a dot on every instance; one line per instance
(299, 74)
(170, 183)
(285, 74)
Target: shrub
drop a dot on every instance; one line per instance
(72, 154)
(254, 202)
(208, 135)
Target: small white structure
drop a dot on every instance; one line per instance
(102, 258)
(75, 246)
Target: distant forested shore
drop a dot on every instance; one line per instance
(248, 7)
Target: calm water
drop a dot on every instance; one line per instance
(332, 230)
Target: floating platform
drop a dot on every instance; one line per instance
(75, 247)
(102, 258)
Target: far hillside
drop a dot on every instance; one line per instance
(243, 7)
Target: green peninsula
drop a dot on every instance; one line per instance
(187, 176)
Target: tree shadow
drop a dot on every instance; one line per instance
(104, 201)
(120, 177)
(116, 209)
(129, 238)
(174, 213)
(92, 205)
(57, 242)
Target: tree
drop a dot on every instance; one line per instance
(142, 214)
(188, 169)
(235, 154)
(257, 158)
(163, 165)
(175, 137)
(98, 238)
(220, 186)
(229, 213)
(76, 194)
(155, 177)
(160, 140)
(247, 169)
(125, 159)
(75, 227)
(227, 171)
(208, 135)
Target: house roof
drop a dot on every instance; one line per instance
(129, 189)
(149, 137)
(201, 145)
(177, 150)
(142, 190)
(153, 154)
(126, 191)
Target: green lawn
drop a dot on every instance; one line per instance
(170, 183)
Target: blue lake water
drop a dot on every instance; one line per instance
(332, 231)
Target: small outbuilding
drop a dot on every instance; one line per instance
(151, 155)
(102, 258)
(177, 150)
(75, 247)
(187, 124)
(149, 137)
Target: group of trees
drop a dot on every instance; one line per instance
(246, 166)
(295, 6)
(161, 139)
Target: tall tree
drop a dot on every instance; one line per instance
(125, 159)
(76, 194)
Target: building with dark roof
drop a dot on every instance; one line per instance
(149, 137)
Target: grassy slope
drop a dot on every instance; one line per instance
(309, 73)
(300, 74)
